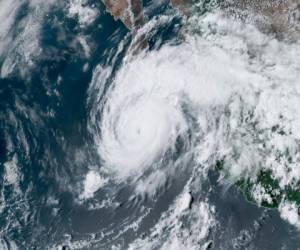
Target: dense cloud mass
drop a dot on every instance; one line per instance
(154, 125)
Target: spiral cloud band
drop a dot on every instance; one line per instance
(147, 106)
(228, 98)
(211, 80)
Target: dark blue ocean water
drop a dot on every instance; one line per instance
(43, 124)
(43, 120)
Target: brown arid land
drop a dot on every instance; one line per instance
(280, 17)
(131, 12)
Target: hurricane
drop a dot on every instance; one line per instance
(169, 126)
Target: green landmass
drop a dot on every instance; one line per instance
(271, 186)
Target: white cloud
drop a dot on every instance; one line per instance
(86, 14)
(92, 183)
(289, 212)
